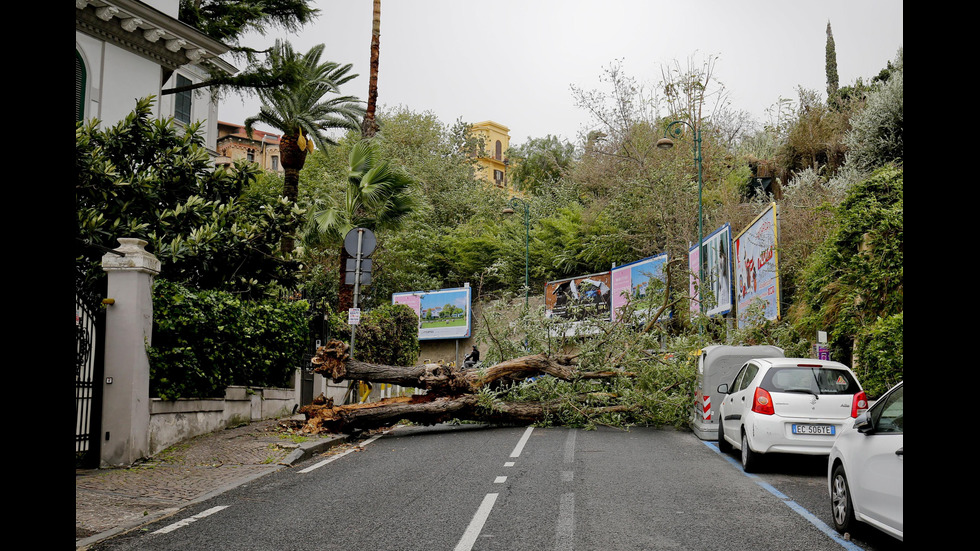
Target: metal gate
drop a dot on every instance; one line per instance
(319, 332)
(89, 369)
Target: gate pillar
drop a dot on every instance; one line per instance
(129, 325)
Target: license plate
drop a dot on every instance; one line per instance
(814, 429)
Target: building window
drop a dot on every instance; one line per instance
(182, 101)
(251, 155)
(498, 177)
(275, 163)
(498, 153)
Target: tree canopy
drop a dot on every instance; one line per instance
(147, 178)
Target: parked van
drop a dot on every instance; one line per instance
(719, 364)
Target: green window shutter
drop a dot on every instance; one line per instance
(79, 87)
(182, 103)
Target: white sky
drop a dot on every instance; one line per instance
(514, 61)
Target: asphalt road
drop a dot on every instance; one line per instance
(470, 487)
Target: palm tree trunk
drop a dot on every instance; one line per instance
(345, 293)
(293, 158)
(369, 127)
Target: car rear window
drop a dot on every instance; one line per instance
(814, 380)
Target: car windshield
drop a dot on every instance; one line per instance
(812, 380)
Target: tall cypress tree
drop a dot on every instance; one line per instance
(832, 80)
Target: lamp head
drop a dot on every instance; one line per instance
(665, 143)
(508, 210)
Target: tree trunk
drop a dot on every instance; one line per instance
(333, 361)
(345, 292)
(292, 158)
(428, 410)
(369, 127)
(451, 392)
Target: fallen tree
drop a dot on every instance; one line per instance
(451, 393)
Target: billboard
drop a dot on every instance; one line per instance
(443, 314)
(630, 283)
(717, 249)
(578, 299)
(757, 267)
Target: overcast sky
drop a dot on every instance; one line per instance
(515, 61)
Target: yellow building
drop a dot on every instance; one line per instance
(491, 163)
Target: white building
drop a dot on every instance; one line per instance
(127, 49)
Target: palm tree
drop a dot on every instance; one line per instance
(304, 112)
(378, 197)
(369, 127)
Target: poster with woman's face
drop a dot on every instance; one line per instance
(717, 252)
(757, 268)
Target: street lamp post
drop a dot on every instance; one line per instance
(666, 143)
(515, 202)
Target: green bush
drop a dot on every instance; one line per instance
(881, 355)
(387, 335)
(204, 341)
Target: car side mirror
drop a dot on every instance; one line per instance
(863, 423)
(723, 388)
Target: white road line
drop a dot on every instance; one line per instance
(500, 480)
(189, 520)
(520, 445)
(339, 455)
(564, 532)
(570, 446)
(476, 525)
(509, 464)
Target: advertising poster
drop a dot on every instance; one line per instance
(717, 248)
(630, 282)
(579, 298)
(757, 268)
(443, 314)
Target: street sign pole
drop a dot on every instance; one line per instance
(357, 282)
(359, 243)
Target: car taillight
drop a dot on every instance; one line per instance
(762, 402)
(859, 404)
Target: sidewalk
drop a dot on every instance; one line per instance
(112, 501)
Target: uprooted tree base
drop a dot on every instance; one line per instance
(451, 392)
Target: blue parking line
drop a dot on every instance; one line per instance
(819, 524)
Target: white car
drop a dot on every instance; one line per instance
(866, 468)
(787, 405)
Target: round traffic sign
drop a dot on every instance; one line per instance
(368, 242)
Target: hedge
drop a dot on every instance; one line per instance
(204, 341)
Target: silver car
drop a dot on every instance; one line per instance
(866, 468)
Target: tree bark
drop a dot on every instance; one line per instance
(427, 410)
(345, 292)
(451, 392)
(292, 158)
(333, 361)
(369, 126)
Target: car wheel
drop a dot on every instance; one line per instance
(750, 459)
(724, 446)
(840, 501)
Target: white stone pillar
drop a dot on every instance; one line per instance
(129, 326)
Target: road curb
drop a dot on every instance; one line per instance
(307, 450)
